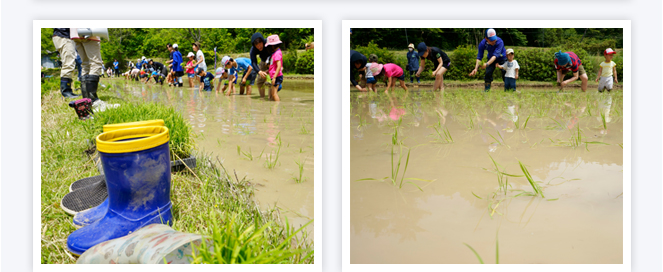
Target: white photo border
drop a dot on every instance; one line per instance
(36, 147)
(627, 79)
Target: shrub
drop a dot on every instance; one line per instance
(305, 63)
(290, 61)
(463, 60)
(536, 64)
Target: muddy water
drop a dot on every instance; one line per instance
(578, 221)
(257, 127)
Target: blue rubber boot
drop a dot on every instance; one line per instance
(136, 163)
(92, 215)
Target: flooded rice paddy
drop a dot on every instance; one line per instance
(266, 142)
(433, 174)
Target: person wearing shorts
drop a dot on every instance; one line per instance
(569, 61)
(177, 65)
(607, 71)
(441, 63)
(239, 65)
(391, 72)
(262, 67)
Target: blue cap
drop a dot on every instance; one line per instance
(421, 48)
(562, 58)
(490, 34)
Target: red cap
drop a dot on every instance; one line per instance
(609, 51)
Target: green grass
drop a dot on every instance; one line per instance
(300, 166)
(204, 199)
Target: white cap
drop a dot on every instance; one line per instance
(143, 57)
(175, 45)
(225, 60)
(190, 54)
(509, 51)
(219, 72)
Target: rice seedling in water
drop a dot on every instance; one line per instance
(273, 158)
(303, 130)
(247, 155)
(497, 250)
(300, 165)
(442, 133)
(534, 184)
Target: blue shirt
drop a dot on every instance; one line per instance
(496, 50)
(177, 61)
(116, 64)
(242, 65)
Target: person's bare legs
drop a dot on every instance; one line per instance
(274, 94)
(190, 82)
(241, 90)
(248, 90)
(402, 84)
(584, 80)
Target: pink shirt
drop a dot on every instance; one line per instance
(191, 70)
(276, 57)
(392, 70)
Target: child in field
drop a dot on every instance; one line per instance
(231, 75)
(239, 65)
(206, 80)
(171, 78)
(190, 69)
(275, 66)
(220, 74)
(371, 67)
(511, 68)
(607, 71)
(391, 72)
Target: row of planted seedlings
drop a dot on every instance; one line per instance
(206, 199)
(534, 111)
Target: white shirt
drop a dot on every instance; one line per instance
(200, 55)
(510, 68)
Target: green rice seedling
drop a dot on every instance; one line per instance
(272, 159)
(535, 186)
(238, 242)
(247, 155)
(300, 165)
(442, 133)
(475, 253)
(303, 130)
(181, 134)
(605, 125)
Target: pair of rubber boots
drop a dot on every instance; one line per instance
(136, 162)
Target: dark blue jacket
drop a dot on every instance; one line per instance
(61, 32)
(496, 50)
(253, 53)
(412, 60)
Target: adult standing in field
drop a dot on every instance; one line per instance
(89, 48)
(116, 66)
(258, 49)
(170, 52)
(412, 62)
(67, 50)
(357, 64)
(441, 63)
(200, 58)
(569, 61)
(496, 54)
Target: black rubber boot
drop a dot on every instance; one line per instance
(84, 87)
(65, 88)
(91, 84)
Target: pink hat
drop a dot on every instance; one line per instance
(376, 69)
(272, 40)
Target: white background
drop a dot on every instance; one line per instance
(16, 93)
